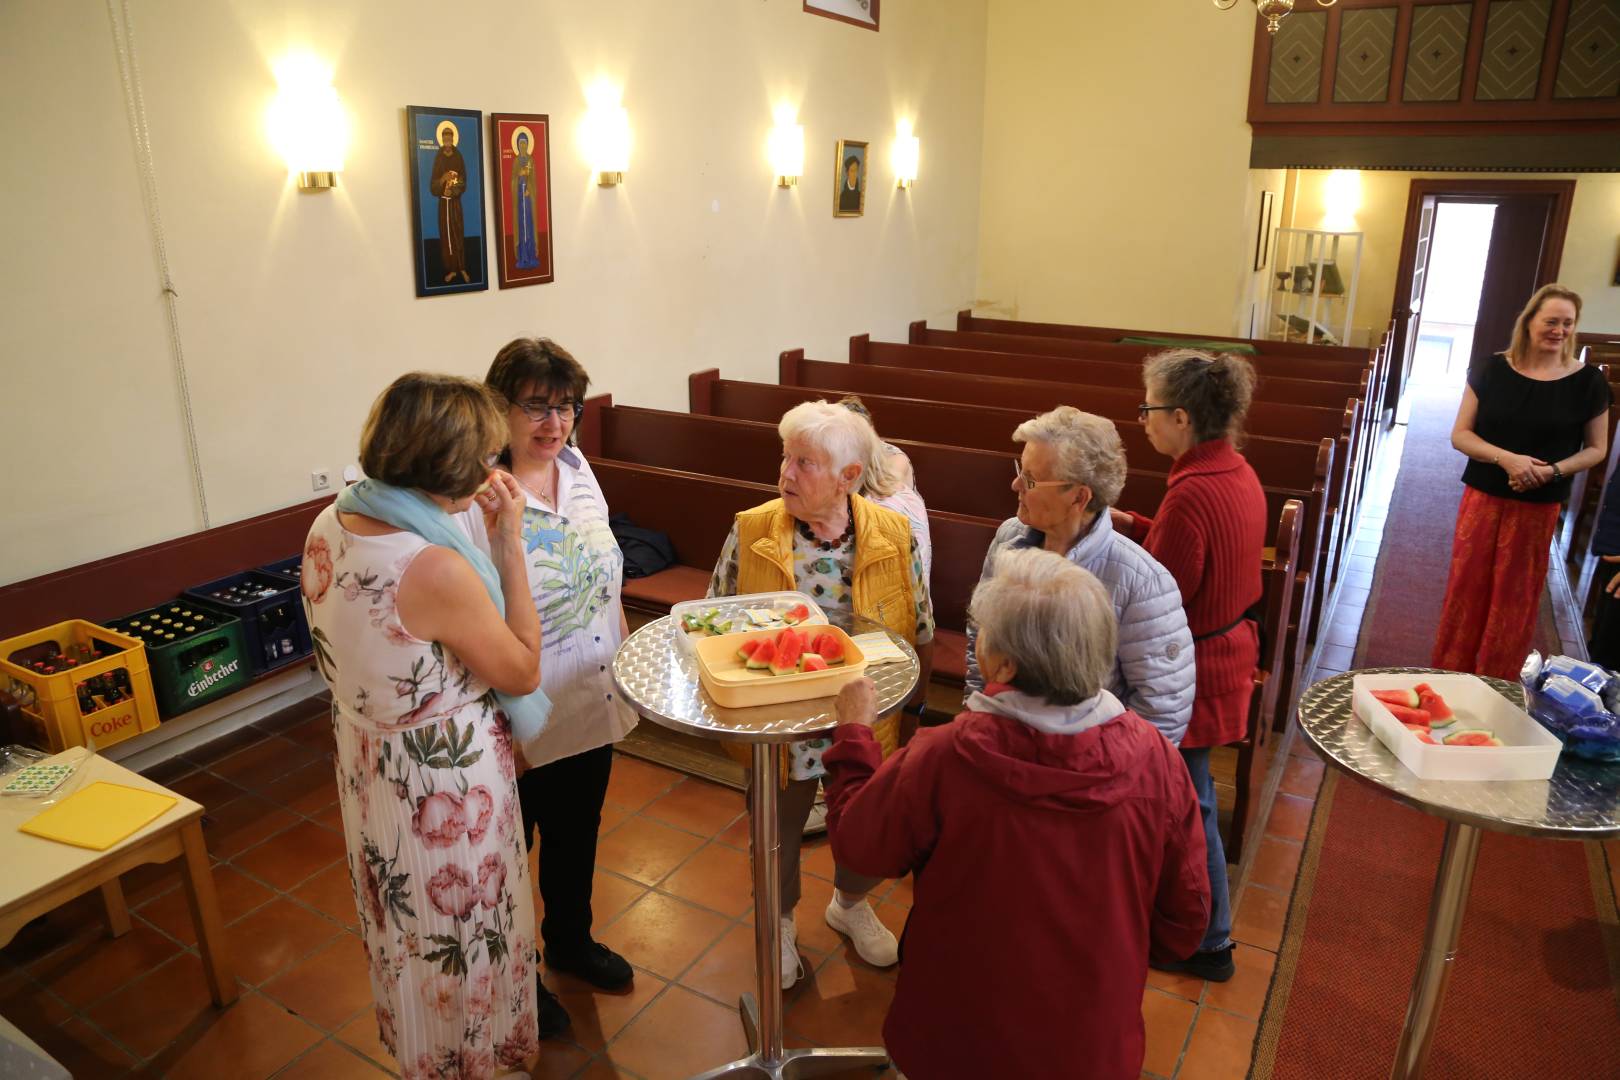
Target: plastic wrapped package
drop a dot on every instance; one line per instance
(1575, 700)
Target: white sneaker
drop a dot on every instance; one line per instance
(871, 938)
(792, 968)
(816, 823)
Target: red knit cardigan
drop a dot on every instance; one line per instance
(1209, 533)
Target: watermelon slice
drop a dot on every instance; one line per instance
(789, 647)
(1472, 737)
(1430, 701)
(745, 651)
(763, 654)
(1422, 734)
(1408, 716)
(828, 647)
(811, 662)
(796, 614)
(1404, 698)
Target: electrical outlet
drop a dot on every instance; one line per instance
(320, 480)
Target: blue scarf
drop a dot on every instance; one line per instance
(412, 511)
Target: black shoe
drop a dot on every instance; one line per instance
(553, 1017)
(595, 963)
(1214, 965)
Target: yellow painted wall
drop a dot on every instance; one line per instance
(1116, 182)
(1591, 246)
(295, 310)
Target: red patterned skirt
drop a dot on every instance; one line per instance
(1493, 595)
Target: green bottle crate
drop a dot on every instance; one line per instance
(190, 667)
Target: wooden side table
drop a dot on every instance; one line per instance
(43, 874)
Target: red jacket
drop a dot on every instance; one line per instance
(1209, 533)
(1047, 867)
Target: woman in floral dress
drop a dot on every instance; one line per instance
(425, 768)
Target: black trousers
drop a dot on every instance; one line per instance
(563, 801)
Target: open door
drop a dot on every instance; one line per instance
(1512, 269)
(1407, 318)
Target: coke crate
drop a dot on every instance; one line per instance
(77, 681)
(272, 612)
(195, 653)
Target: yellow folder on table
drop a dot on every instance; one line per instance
(99, 816)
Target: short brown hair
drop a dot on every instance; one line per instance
(1519, 347)
(1214, 389)
(433, 433)
(539, 363)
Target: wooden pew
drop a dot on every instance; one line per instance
(966, 320)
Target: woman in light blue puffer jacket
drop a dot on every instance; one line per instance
(1071, 470)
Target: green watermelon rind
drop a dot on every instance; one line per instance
(1455, 737)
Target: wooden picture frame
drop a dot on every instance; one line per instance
(862, 13)
(447, 199)
(1262, 242)
(522, 185)
(850, 202)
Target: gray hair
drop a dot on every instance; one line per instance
(843, 436)
(883, 476)
(1053, 619)
(1088, 450)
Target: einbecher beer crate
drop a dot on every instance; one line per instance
(271, 608)
(195, 652)
(79, 681)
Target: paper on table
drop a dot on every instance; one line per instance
(878, 648)
(98, 816)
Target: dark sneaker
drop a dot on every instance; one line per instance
(1215, 965)
(595, 963)
(553, 1017)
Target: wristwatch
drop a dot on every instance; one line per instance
(1558, 474)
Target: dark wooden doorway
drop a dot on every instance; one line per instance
(1527, 247)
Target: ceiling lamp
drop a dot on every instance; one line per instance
(1271, 10)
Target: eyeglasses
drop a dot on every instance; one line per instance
(1030, 483)
(1143, 409)
(538, 410)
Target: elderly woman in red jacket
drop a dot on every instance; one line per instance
(1052, 831)
(1208, 532)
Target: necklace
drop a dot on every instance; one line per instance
(548, 492)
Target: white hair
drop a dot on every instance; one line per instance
(1088, 451)
(1053, 619)
(842, 436)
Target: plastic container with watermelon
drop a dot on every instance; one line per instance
(744, 614)
(739, 671)
(1528, 751)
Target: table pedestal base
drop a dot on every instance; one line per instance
(1451, 884)
(792, 1064)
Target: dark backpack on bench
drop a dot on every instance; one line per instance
(646, 551)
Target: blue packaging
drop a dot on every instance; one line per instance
(1588, 675)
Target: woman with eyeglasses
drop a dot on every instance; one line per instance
(1070, 471)
(574, 567)
(1209, 531)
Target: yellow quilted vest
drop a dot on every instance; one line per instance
(880, 582)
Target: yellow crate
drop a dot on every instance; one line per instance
(51, 700)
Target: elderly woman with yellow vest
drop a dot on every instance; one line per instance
(845, 552)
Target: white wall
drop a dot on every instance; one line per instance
(295, 310)
(1116, 182)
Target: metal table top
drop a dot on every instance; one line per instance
(1580, 802)
(662, 684)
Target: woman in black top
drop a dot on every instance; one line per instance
(1530, 419)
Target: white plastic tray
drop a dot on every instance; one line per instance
(1529, 751)
(736, 609)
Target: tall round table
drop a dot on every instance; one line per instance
(1580, 802)
(661, 682)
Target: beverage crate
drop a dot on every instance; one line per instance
(271, 608)
(79, 681)
(194, 652)
(290, 569)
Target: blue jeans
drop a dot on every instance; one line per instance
(1219, 934)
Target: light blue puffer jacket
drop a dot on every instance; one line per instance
(1154, 673)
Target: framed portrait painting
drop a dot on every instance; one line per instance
(849, 179)
(520, 165)
(447, 199)
(1262, 240)
(856, 12)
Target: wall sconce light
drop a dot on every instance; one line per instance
(306, 122)
(904, 157)
(786, 149)
(1341, 198)
(607, 136)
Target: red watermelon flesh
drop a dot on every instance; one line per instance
(796, 614)
(1422, 734)
(1408, 716)
(1431, 702)
(1472, 737)
(746, 649)
(762, 656)
(828, 647)
(1405, 698)
(789, 647)
(811, 662)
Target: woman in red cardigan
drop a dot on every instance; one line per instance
(1208, 532)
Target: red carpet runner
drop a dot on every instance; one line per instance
(1534, 993)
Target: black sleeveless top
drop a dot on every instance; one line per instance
(1544, 419)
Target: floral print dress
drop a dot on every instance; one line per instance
(430, 819)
